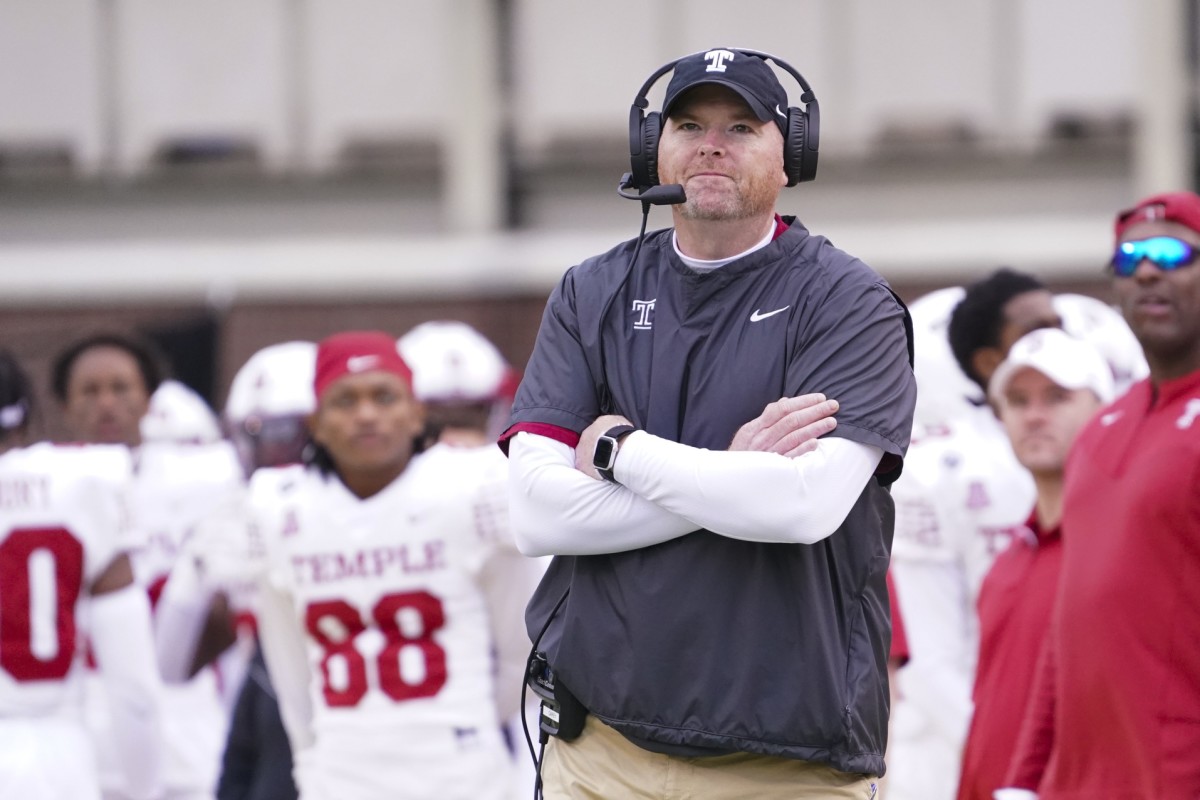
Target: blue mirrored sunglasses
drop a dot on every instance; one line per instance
(1166, 253)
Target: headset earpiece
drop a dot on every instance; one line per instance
(643, 137)
(793, 146)
(811, 138)
(800, 146)
(651, 128)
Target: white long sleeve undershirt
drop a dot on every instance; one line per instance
(124, 648)
(668, 489)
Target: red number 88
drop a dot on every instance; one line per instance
(338, 642)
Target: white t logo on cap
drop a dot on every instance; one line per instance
(718, 59)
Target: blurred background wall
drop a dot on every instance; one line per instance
(225, 174)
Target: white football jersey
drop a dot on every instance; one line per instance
(399, 599)
(962, 499)
(62, 522)
(176, 489)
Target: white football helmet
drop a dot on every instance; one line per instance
(1104, 328)
(453, 363)
(178, 414)
(274, 382)
(268, 400)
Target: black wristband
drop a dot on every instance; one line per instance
(604, 457)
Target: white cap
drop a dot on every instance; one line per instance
(1103, 327)
(451, 361)
(178, 414)
(943, 390)
(277, 381)
(1069, 362)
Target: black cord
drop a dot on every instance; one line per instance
(537, 781)
(606, 404)
(542, 735)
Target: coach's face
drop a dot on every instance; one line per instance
(1042, 419)
(729, 162)
(368, 423)
(106, 397)
(1163, 307)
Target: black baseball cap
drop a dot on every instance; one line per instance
(748, 75)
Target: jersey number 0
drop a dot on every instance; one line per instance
(41, 575)
(407, 621)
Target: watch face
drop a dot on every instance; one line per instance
(605, 453)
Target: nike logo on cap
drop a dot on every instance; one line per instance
(758, 315)
(780, 113)
(361, 363)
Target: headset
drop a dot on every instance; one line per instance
(799, 146)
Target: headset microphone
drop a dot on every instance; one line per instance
(662, 195)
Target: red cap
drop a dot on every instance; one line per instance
(1181, 207)
(354, 352)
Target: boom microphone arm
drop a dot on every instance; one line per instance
(668, 195)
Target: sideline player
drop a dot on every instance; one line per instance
(379, 614)
(462, 380)
(269, 399)
(65, 576)
(104, 384)
(264, 417)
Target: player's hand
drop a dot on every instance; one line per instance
(790, 426)
(587, 442)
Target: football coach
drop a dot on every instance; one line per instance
(704, 439)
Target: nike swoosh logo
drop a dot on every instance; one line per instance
(361, 363)
(1110, 418)
(758, 315)
(780, 113)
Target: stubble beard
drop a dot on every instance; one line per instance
(729, 206)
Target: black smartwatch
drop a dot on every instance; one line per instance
(604, 457)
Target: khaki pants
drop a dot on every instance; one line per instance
(603, 765)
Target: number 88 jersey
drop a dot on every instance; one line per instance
(387, 594)
(62, 522)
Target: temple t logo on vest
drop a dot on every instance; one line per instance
(645, 314)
